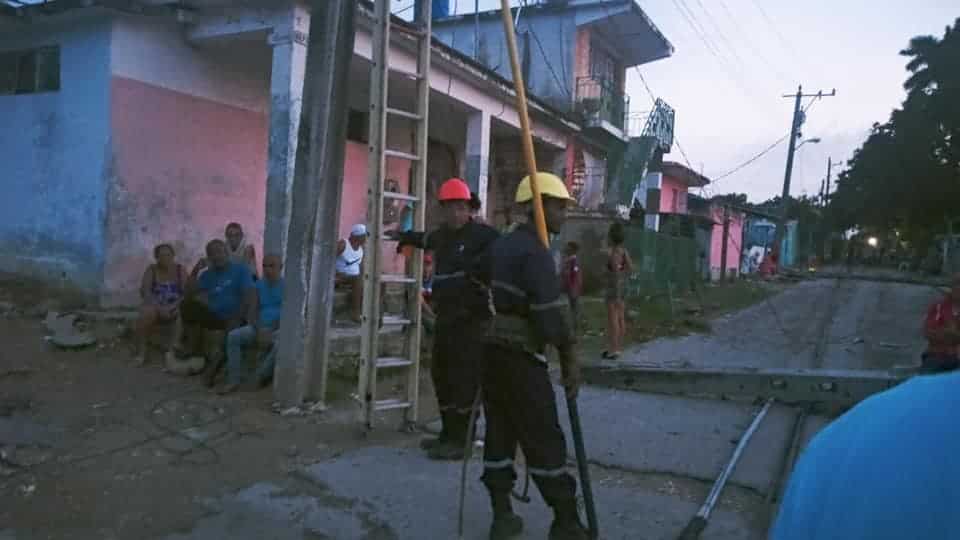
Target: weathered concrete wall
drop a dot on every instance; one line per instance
(551, 60)
(54, 148)
(189, 147)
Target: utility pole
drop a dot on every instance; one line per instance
(723, 248)
(317, 187)
(798, 119)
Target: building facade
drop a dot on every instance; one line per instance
(125, 130)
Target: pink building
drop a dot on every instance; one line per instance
(677, 181)
(735, 218)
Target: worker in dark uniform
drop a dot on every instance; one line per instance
(460, 323)
(530, 313)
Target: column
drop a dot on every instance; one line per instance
(478, 155)
(289, 42)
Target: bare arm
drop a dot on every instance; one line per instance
(251, 255)
(627, 262)
(146, 286)
(193, 285)
(341, 245)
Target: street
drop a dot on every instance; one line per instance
(142, 456)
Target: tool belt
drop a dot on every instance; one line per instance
(515, 332)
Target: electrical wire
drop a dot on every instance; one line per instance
(751, 45)
(546, 59)
(751, 160)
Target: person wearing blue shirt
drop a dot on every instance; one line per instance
(260, 330)
(885, 470)
(220, 299)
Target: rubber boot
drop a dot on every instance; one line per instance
(431, 442)
(566, 523)
(506, 525)
(451, 449)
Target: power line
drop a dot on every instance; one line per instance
(756, 50)
(724, 64)
(546, 59)
(751, 160)
(720, 33)
(776, 31)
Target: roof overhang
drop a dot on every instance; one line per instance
(621, 22)
(685, 174)
(626, 28)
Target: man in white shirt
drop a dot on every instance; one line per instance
(349, 267)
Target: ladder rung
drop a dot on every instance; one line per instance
(402, 196)
(388, 404)
(405, 73)
(396, 278)
(401, 155)
(395, 320)
(393, 362)
(404, 114)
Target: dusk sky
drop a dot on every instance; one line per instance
(728, 102)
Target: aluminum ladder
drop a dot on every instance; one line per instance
(374, 321)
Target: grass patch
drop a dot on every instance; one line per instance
(657, 316)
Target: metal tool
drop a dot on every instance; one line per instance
(699, 522)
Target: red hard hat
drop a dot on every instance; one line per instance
(454, 189)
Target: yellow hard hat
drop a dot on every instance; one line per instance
(550, 186)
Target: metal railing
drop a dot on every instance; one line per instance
(656, 123)
(598, 102)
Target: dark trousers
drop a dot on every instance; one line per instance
(521, 408)
(938, 363)
(456, 372)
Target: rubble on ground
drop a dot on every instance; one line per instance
(67, 331)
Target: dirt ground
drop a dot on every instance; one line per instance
(95, 447)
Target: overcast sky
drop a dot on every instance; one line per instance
(727, 93)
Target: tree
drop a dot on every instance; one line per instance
(906, 175)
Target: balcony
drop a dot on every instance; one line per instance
(601, 106)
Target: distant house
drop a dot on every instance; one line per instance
(575, 54)
(709, 216)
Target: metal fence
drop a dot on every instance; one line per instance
(660, 261)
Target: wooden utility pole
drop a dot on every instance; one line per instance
(317, 186)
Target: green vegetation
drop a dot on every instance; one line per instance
(649, 318)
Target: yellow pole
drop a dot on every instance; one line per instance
(526, 135)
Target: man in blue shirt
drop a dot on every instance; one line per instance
(886, 470)
(218, 300)
(260, 329)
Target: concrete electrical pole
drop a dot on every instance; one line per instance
(798, 119)
(302, 347)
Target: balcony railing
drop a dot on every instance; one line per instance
(599, 102)
(657, 123)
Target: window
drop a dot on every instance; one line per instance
(30, 71)
(358, 126)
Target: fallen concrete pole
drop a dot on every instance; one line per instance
(825, 391)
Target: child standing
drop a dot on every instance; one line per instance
(572, 282)
(619, 266)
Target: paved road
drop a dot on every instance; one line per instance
(845, 324)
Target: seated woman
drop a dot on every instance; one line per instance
(161, 291)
